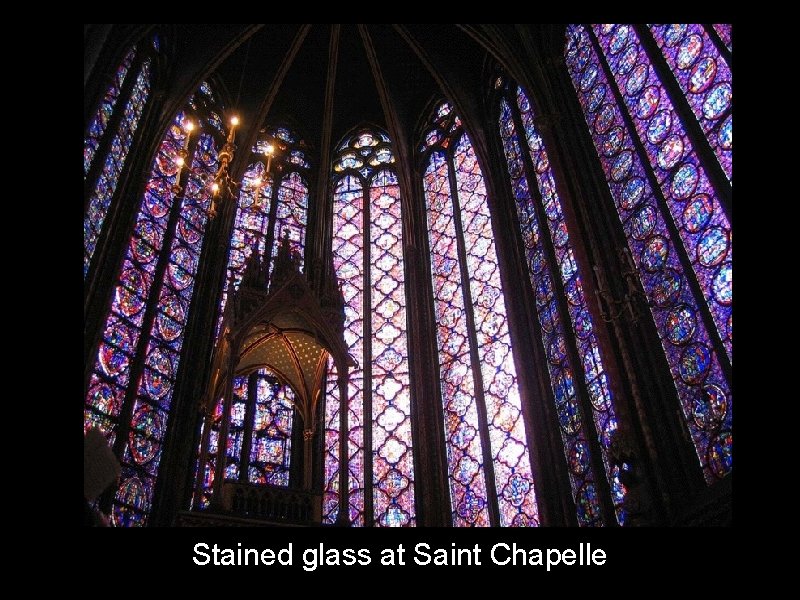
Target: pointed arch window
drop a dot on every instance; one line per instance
(489, 469)
(108, 140)
(132, 382)
(262, 410)
(367, 246)
(565, 322)
(666, 173)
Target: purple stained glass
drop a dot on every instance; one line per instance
(468, 496)
(348, 262)
(693, 363)
(603, 413)
(250, 226)
(100, 199)
(705, 79)
(393, 464)
(178, 251)
(100, 120)
(677, 167)
(271, 444)
(724, 30)
(291, 214)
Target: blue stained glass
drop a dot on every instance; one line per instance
(693, 362)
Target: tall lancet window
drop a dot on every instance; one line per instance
(138, 359)
(549, 255)
(108, 140)
(489, 467)
(368, 260)
(658, 103)
(262, 413)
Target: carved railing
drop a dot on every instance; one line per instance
(271, 503)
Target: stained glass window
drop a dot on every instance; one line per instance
(131, 386)
(120, 143)
(679, 236)
(259, 224)
(487, 450)
(536, 185)
(368, 260)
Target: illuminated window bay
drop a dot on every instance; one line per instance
(489, 466)
(367, 248)
(688, 200)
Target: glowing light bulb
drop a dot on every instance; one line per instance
(179, 161)
(215, 187)
(257, 182)
(269, 149)
(234, 121)
(189, 126)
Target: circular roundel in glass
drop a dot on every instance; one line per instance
(158, 373)
(637, 79)
(569, 418)
(604, 119)
(695, 363)
(632, 192)
(582, 323)
(578, 458)
(619, 39)
(573, 291)
(659, 126)
(547, 316)
(684, 182)
(718, 101)
(643, 222)
(141, 245)
(147, 432)
(720, 454)
(170, 318)
(627, 59)
(583, 57)
(667, 288)
(680, 324)
(180, 268)
(589, 77)
(598, 391)
(612, 141)
(595, 97)
(560, 234)
(191, 224)
(586, 503)
(133, 493)
(710, 406)
(556, 349)
(622, 165)
(654, 254)
(712, 247)
(725, 133)
(722, 284)
(674, 33)
(157, 197)
(564, 389)
(670, 152)
(647, 104)
(537, 262)
(697, 213)
(112, 360)
(689, 50)
(166, 163)
(103, 399)
(127, 302)
(544, 290)
(702, 75)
